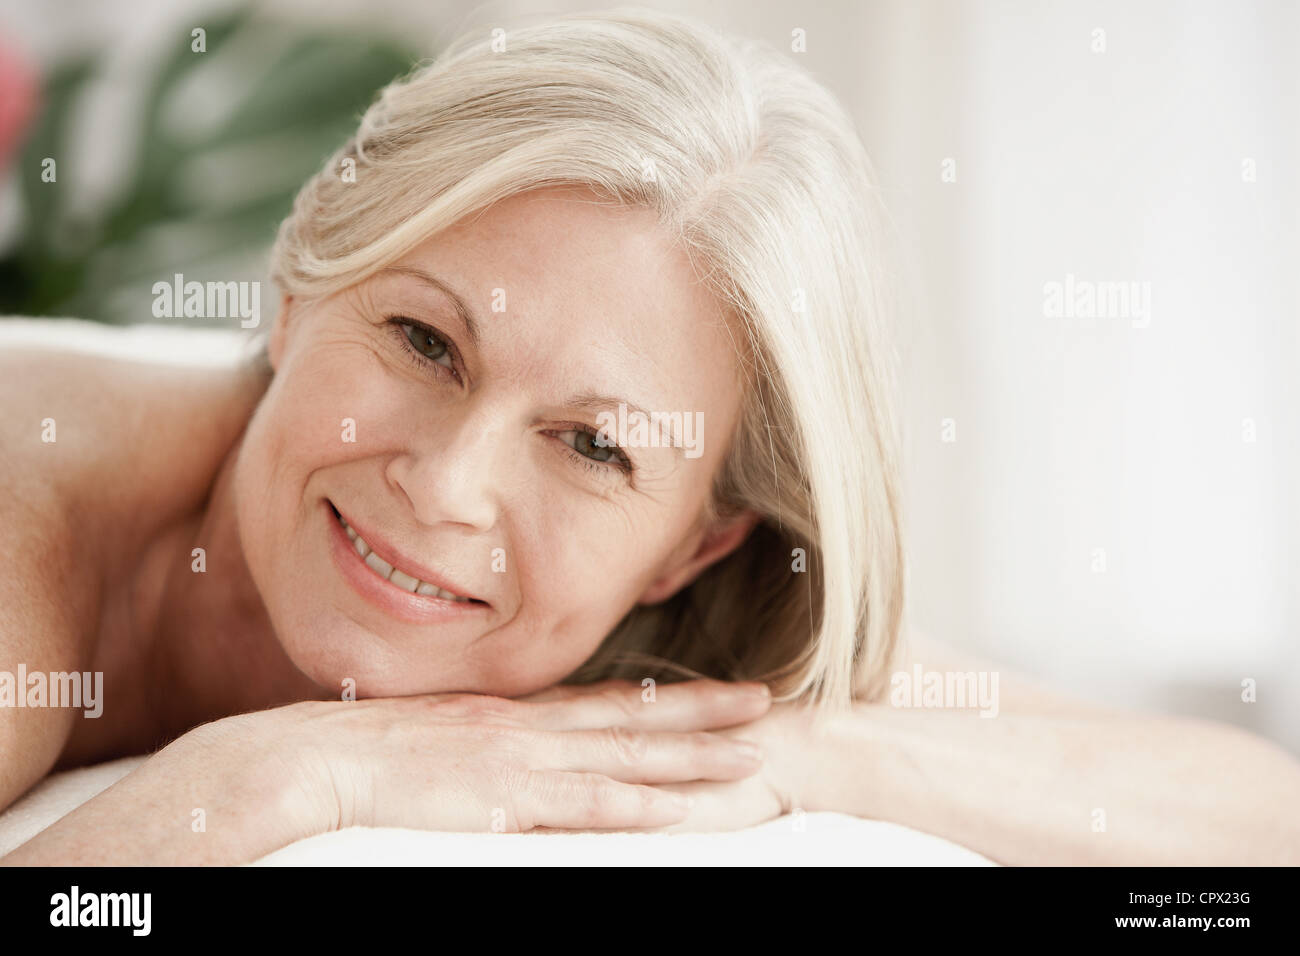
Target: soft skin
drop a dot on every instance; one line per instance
(467, 464)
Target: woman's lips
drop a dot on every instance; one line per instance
(395, 598)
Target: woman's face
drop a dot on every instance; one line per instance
(448, 409)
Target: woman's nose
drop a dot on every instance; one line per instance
(449, 474)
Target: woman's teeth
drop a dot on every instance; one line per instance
(394, 576)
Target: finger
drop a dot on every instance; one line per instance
(590, 801)
(636, 756)
(685, 706)
(724, 806)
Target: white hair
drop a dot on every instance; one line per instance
(756, 171)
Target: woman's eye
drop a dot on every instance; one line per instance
(588, 445)
(427, 344)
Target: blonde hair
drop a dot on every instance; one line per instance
(756, 171)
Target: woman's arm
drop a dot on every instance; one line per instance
(1054, 781)
(43, 615)
(220, 794)
(589, 760)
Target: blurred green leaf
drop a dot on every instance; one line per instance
(191, 198)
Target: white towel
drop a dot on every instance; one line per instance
(797, 839)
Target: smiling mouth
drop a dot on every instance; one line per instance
(393, 575)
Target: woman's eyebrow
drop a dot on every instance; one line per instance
(590, 401)
(462, 310)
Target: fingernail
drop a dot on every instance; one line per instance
(762, 690)
(683, 801)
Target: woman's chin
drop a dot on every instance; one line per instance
(349, 661)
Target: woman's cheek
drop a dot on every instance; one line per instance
(337, 417)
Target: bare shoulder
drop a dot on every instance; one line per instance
(94, 432)
(48, 600)
(52, 443)
(94, 450)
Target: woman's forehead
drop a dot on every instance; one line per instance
(567, 282)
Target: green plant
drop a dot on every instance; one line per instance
(207, 187)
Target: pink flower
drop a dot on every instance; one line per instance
(17, 101)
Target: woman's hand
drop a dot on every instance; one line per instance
(795, 765)
(794, 774)
(597, 757)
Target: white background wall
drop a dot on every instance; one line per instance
(1071, 434)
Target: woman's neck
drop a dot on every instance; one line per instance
(209, 648)
(179, 640)
(215, 651)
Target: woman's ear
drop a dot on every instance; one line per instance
(275, 346)
(705, 547)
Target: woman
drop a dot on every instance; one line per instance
(580, 381)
